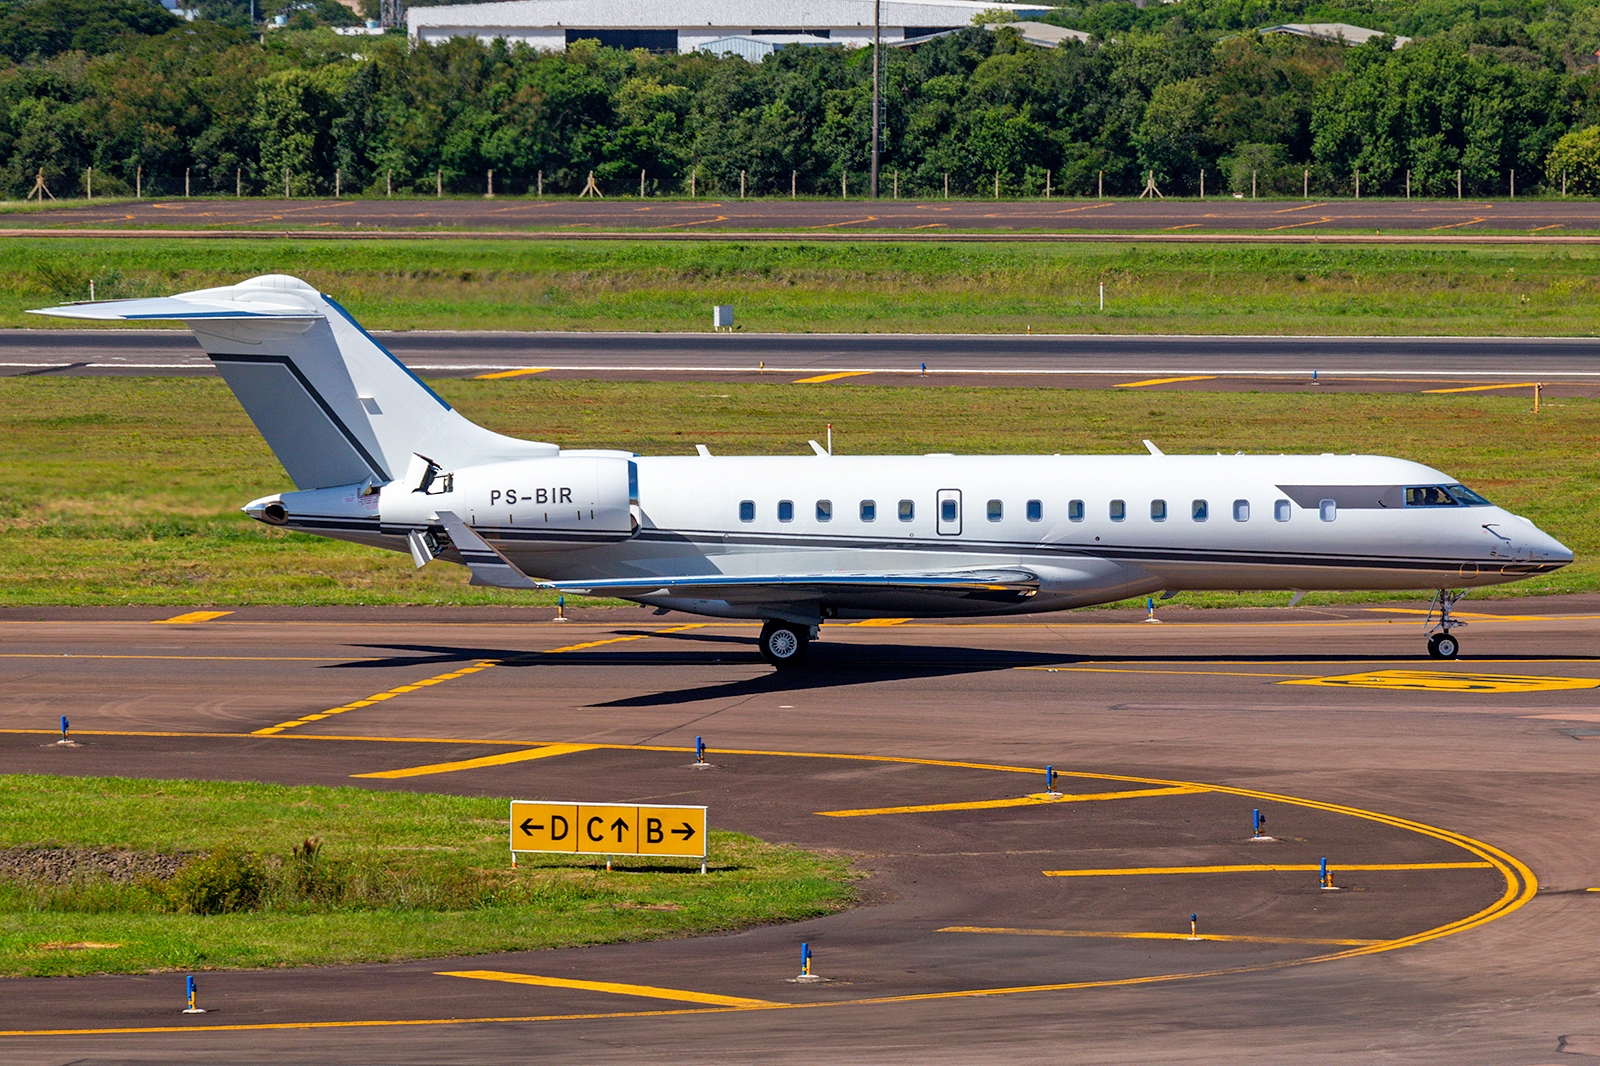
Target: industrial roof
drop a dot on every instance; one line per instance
(1333, 31)
(669, 14)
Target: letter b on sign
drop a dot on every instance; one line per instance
(652, 831)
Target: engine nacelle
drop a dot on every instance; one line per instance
(566, 501)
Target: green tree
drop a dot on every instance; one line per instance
(1574, 163)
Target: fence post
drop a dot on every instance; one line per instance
(947, 185)
(285, 183)
(1100, 189)
(741, 185)
(490, 194)
(88, 183)
(438, 183)
(641, 183)
(1305, 184)
(238, 183)
(388, 183)
(1047, 183)
(1252, 185)
(897, 185)
(694, 172)
(1458, 183)
(540, 186)
(844, 185)
(794, 183)
(997, 185)
(1513, 184)
(1358, 184)
(338, 176)
(1408, 185)
(186, 182)
(1563, 183)
(138, 183)
(1202, 183)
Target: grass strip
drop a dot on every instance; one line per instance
(800, 286)
(126, 490)
(402, 875)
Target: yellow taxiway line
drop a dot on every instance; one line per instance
(518, 373)
(1267, 867)
(1019, 801)
(1095, 934)
(502, 759)
(1163, 381)
(820, 378)
(612, 987)
(191, 618)
(1483, 388)
(379, 697)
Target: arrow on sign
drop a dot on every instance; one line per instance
(621, 827)
(528, 827)
(686, 832)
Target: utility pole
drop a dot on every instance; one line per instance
(877, 52)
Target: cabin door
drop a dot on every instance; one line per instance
(949, 513)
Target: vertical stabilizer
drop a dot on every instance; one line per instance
(335, 407)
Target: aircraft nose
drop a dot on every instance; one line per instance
(1546, 549)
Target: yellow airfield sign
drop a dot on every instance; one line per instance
(608, 829)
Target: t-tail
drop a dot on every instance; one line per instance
(335, 407)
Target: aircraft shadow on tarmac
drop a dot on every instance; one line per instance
(832, 665)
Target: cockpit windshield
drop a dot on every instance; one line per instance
(1443, 496)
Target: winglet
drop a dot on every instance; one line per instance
(488, 566)
(1153, 449)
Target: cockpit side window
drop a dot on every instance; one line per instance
(1429, 496)
(1467, 496)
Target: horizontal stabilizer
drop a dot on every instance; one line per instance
(1003, 585)
(177, 308)
(488, 566)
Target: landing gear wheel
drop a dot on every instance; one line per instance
(783, 644)
(1443, 646)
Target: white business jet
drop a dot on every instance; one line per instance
(380, 460)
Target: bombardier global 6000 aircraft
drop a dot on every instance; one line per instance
(379, 459)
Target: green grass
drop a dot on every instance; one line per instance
(804, 286)
(125, 490)
(444, 858)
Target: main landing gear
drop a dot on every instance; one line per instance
(783, 644)
(1442, 642)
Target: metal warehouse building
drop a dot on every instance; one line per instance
(686, 25)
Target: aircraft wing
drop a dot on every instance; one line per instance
(995, 585)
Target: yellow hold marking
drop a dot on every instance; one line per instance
(820, 378)
(1272, 867)
(191, 618)
(1482, 388)
(613, 987)
(1446, 681)
(1163, 381)
(544, 752)
(520, 372)
(882, 622)
(1020, 801)
(1095, 934)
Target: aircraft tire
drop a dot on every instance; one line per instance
(783, 644)
(1443, 646)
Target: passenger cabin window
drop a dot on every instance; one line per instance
(1035, 510)
(1280, 510)
(747, 510)
(1158, 510)
(997, 510)
(824, 510)
(786, 510)
(1241, 510)
(908, 510)
(1199, 510)
(1119, 510)
(947, 510)
(869, 510)
(1328, 510)
(1074, 510)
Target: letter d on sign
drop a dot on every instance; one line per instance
(558, 827)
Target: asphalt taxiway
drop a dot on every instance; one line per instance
(999, 923)
(1551, 221)
(1569, 365)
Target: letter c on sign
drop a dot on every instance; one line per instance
(558, 827)
(588, 828)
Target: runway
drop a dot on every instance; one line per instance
(1550, 221)
(998, 924)
(1070, 361)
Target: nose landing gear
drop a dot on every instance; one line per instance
(1442, 643)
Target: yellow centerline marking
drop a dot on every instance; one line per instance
(1097, 934)
(196, 658)
(1019, 801)
(1456, 225)
(820, 378)
(378, 697)
(1266, 867)
(1164, 381)
(502, 759)
(1131, 670)
(613, 988)
(1297, 225)
(191, 618)
(1521, 886)
(882, 622)
(621, 640)
(1482, 388)
(517, 373)
(1448, 681)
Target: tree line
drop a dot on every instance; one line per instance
(1486, 89)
